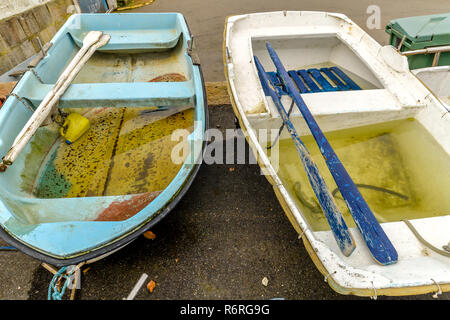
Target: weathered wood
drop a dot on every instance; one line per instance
(376, 239)
(334, 217)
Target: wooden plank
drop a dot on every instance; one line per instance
(346, 78)
(342, 86)
(309, 81)
(298, 82)
(326, 86)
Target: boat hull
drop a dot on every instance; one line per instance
(32, 224)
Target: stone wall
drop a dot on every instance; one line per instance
(12, 7)
(19, 32)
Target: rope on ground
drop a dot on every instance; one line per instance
(56, 290)
(423, 241)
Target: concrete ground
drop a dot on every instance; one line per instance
(206, 18)
(229, 231)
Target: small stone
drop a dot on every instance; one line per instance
(149, 235)
(265, 281)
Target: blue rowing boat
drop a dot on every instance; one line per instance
(120, 150)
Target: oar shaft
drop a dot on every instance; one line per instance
(334, 217)
(376, 239)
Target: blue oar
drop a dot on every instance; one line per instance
(337, 223)
(378, 243)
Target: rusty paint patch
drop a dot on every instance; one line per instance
(169, 77)
(123, 210)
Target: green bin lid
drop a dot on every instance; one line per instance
(431, 28)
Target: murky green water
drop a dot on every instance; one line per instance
(125, 151)
(400, 169)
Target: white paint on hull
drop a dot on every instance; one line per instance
(397, 95)
(437, 79)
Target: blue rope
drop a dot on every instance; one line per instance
(53, 293)
(7, 248)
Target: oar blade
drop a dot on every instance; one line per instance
(331, 211)
(376, 239)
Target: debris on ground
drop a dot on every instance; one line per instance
(265, 281)
(151, 286)
(7, 248)
(128, 4)
(149, 235)
(138, 286)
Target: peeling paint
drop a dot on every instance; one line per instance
(122, 210)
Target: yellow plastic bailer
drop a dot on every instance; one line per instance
(74, 127)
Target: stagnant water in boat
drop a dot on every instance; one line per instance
(399, 168)
(126, 151)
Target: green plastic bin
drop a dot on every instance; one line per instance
(420, 33)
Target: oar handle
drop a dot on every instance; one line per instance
(376, 239)
(334, 217)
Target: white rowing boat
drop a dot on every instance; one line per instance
(388, 129)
